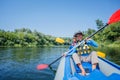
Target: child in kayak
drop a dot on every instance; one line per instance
(84, 53)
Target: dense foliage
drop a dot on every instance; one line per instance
(26, 38)
(111, 34)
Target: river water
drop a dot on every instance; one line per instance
(20, 63)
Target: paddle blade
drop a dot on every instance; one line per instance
(42, 66)
(59, 40)
(101, 54)
(115, 17)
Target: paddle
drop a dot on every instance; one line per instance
(101, 54)
(114, 18)
(59, 40)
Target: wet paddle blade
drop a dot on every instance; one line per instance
(42, 66)
(115, 17)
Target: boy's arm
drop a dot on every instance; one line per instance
(91, 43)
(73, 51)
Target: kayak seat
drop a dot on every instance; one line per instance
(86, 65)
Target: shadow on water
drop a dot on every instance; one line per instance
(20, 63)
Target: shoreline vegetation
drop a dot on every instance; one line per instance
(26, 38)
(108, 39)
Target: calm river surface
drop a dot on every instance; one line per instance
(20, 63)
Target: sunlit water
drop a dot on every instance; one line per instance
(20, 63)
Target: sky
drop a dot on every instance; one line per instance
(59, 18)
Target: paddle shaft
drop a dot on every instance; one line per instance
(98, 31)
(82, 42)
(55, 61)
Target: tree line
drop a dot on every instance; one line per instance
(26, 38)
(110, 35)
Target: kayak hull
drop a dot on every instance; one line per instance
(106, 71)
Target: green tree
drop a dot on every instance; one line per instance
(99, 23)
(24, 37)
(112, 33)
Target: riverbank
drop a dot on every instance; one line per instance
(112, 52)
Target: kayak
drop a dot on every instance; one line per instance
(106, 70)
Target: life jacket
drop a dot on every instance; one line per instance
(84, 49)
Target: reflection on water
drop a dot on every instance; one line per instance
(20, 63)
